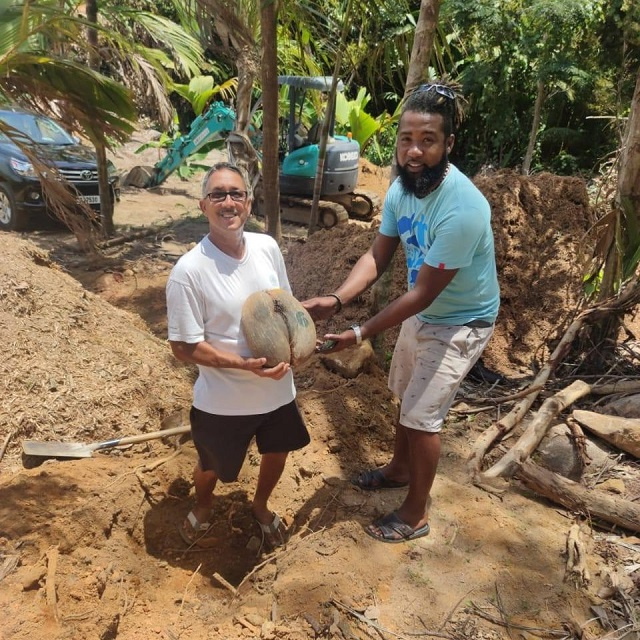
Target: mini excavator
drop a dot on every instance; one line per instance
(299, 152)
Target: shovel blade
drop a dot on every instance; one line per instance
(57, 449)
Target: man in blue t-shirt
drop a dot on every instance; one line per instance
(448, 311)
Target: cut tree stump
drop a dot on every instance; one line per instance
(623, 433)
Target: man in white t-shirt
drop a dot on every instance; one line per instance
(448, 312)
(236, 397)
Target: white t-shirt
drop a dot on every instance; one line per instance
(205, 293)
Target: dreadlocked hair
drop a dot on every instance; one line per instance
(441, 98)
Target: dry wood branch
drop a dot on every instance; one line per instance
(5, 444)
(620, 386)
(247, 625)
(487, 616)
(628, 299)
(134, 235)
(577, 557)
(227, 585)
(590, 502)
(271, 558)
(510, 398)
(52, 565)
(536, 430)
(184, 594)
(505, 618)
(580, 443)
(290, 546)
(454, 608)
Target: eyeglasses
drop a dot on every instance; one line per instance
(439, 88)
(218, 197)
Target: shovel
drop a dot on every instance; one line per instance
(54, 449)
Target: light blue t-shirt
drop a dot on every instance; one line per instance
(448, 229)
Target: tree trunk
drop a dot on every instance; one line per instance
(629, 174)
(270, 170)
(422, 44)
(420, 54)
(106, 201)
(92, 34)
(239, 147)
(535, 125)
(247, 73)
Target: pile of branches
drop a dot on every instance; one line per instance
(517, 463)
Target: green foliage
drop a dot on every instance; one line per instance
(201, 90)
(564, 164)
(503, 50)
(383, 147)
(36, 71)
(352, 117)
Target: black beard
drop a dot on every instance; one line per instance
(428, 179)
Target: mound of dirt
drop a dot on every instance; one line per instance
(90, 548)
(73, 365)
(539, 224)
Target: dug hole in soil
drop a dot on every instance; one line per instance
(89, 548)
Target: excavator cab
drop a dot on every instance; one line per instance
(302, 145)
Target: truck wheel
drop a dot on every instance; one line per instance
(10, 219)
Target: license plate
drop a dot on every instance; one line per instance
(89, 199)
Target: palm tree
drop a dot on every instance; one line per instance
(269, 77)
(43, 49)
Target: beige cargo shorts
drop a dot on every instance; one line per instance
(429, 363)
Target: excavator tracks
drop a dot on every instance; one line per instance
(298, 210)
(361, 204)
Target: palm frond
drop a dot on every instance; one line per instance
(186, 53)
(83, 99)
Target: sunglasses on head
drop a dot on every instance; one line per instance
(443, 90)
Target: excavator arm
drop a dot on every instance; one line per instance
(217, 121)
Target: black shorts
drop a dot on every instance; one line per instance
(222, 442)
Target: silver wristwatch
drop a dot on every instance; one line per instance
(358, 332)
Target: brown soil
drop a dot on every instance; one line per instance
(89, 548)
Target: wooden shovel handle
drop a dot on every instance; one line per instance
(142, 437)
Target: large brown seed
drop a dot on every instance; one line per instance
(277, 327)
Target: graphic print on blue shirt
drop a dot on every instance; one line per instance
(413, 233)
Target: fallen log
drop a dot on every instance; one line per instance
(593, 503)
(129, 237)
(623, 433)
